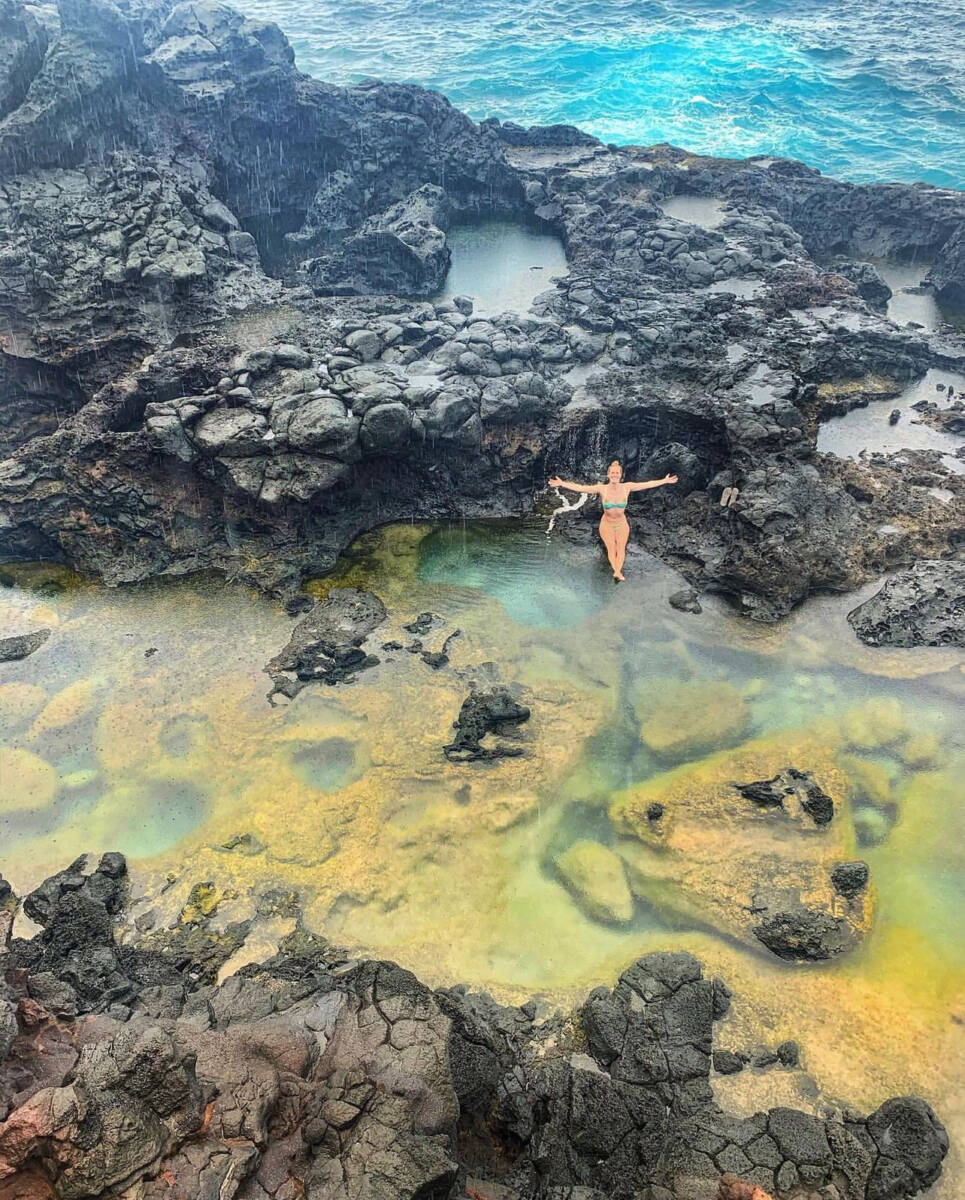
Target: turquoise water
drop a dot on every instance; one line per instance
(861, 89)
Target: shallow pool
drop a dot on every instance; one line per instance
(502, 265)
(869, 428)
(142, 725)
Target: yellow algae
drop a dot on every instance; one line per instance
(127, 735)
(27, 782)
(679, 721)
(19, 702)
(868, 781)
(68, 706)
(776, 856)
(921, 751)
(201, 903)
(878, 722)
(43, 614)
(597, 879)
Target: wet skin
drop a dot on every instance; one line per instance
(614, 526)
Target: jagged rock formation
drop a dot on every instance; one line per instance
(308, 1075)
(923, 606)
(325, 644)
(186, 386)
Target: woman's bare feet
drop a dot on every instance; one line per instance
(619, 578)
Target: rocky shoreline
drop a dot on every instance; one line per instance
(220, 347)
(131, 1069)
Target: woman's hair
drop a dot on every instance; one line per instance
(616, 463)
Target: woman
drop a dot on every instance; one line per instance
(614, 527)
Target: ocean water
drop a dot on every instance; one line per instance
(867, 90)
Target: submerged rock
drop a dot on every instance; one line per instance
(597, 878)
(686, 600)
(922, 606)
(21, 645)
(681, 721)
(28, 783)
(768, 888)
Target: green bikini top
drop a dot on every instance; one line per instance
(614, 503)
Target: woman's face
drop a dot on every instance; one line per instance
(614, 475)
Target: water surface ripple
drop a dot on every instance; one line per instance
(867, 90)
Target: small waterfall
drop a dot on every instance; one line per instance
(565, 507)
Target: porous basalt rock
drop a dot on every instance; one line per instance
(325, 645)
(172, 183)
(788, 787)
(21, 645)
(492, 711)
(922, 606)
(349, 1076)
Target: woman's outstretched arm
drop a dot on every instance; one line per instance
(651, 483)
(575, 487)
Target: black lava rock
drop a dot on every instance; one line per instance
(727, 1063)
(850, 878)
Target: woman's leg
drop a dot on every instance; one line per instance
(607, 536)
(621, 537)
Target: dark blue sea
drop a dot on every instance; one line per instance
(861, 89)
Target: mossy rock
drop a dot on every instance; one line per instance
(867, 781)
(28, 783)
(20, 702)
(596, 878)
(683, 721)
(695, 845)
(66, 707)
(877, 723)
(922, 752)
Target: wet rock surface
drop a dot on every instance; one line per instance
(222, 350)
(787, 788)
(494, 711)
(311, 1074)
(923, 606)
(326, 644)
(22, 645)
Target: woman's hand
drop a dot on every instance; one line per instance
(556, 481)
(669, 479)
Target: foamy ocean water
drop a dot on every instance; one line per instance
(862, 89)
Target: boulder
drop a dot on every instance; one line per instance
(921, 606)
(494, 711)
(775, 886)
